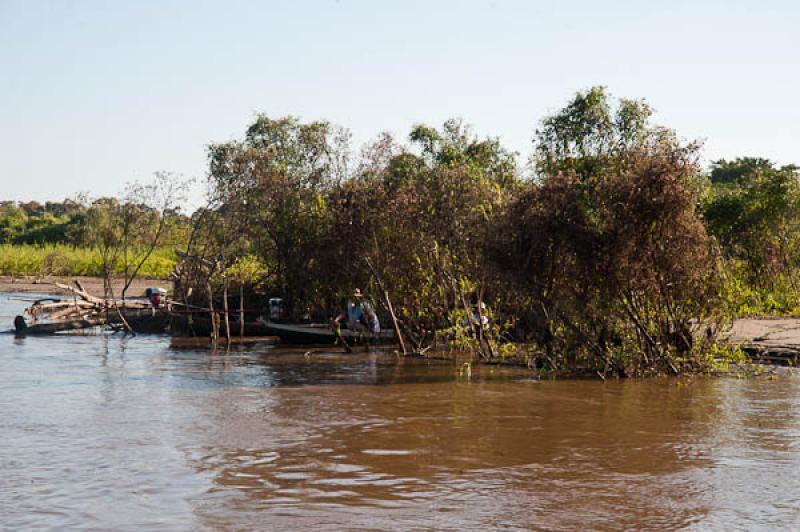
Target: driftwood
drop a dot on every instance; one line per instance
(72, 310)
(81, 311)
(80, 292)
(86, 301)
(21, 327)
(53, 307)
(35, 299)
(65, 307)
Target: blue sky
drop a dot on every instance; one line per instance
(95, 94)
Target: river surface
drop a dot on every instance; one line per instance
(105, 432)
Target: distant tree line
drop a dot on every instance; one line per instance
(122, 233)
(67, 222)
(35, 223)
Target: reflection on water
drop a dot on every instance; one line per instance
(113, 433)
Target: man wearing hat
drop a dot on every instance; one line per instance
(359, 314)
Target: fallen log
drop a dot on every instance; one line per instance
(21, 327)
(50, 307)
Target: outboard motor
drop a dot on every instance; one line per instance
(277, 310)
(156, 296)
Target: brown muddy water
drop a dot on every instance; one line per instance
(110, 433)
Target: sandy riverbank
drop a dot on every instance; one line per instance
(93, 285)
(769, 332)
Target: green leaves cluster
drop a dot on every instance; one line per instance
(752, 207)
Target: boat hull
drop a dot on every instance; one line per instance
(144, 321)
(201, 326)
(289, 333)
(314, 334)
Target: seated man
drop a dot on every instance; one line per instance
(359, 315)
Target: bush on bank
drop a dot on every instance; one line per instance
(598, 260)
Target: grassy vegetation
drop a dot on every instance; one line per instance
(61, 259)
(780, 298)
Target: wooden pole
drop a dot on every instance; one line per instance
(388, 304)
(241, 311)
(225, 310)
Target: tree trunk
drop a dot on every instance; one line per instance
(211, 313)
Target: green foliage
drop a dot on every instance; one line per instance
(12, 223)
(721, 357)
(743, 298)
(247, 270)
(752, 208)
(423, 219)
(592, 135)
(269, 190)
(606, 249)
(107, 236)
(601, 263)
(456, 146)
(32, 223)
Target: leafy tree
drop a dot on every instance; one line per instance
(44, 228)
(455, 145)
(601, 261)
(12, 223)
(608, 262)
(126, 231)
(103, 232)
(149, 212)
(592, 134)
(270, 189)
(752, 209)
(32, 208)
